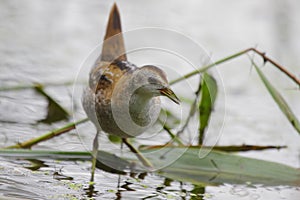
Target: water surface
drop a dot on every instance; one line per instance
(47, 41)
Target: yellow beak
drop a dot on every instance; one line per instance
(170, 94)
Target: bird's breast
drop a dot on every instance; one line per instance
(110, 105)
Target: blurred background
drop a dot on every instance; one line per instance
(47, 41)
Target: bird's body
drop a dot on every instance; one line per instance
(123, 99)
(113, 102)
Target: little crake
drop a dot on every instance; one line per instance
(123, 99)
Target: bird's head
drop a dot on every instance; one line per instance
(154, 83)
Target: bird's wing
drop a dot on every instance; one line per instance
(112, 63)
(113, 47)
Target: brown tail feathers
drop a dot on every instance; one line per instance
(113, 46)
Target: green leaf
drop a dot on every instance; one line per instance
(54, 133)
(55, 111)
(105, 161)
(208, 96)
(219, 167)
(287, 111)
(197, 193)
(43, 154)
(111, 163)
(114, 139)
(184, 164)
(227, 148)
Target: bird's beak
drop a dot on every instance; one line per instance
(170, 94)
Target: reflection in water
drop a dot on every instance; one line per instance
(90, 191)
(35, 164)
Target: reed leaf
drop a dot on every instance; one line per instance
(282, 104)
(219, 167)
(55, 112)
(209, 92)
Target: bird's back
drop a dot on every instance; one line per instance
(108, 69)
(111, 65)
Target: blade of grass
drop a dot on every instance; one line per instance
(172, 135)
(282, 104)
(219, 167)
(208, 96)
(205, 68)
(47, 136)
(138, 154)
(277, 65)
(32, 86)
(43, 154)
(105, 161)
(193, 109)
(263, 55)
(55, 111)
(232, 148)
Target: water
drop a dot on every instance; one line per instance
(47, 41)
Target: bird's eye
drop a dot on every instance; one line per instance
(152, 80)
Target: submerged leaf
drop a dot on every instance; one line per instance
(209, 93)
(55, 111)
(35, 164)
(197, 193)
(219, 167)
(184, 164)
(287, 111)
(112, 163)
(105, 161)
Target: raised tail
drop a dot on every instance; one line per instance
(113, 46)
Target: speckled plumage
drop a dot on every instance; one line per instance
(97, 97)
(121, 98)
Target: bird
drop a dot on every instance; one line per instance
(121, 98)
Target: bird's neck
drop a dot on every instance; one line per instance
(141, 109)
